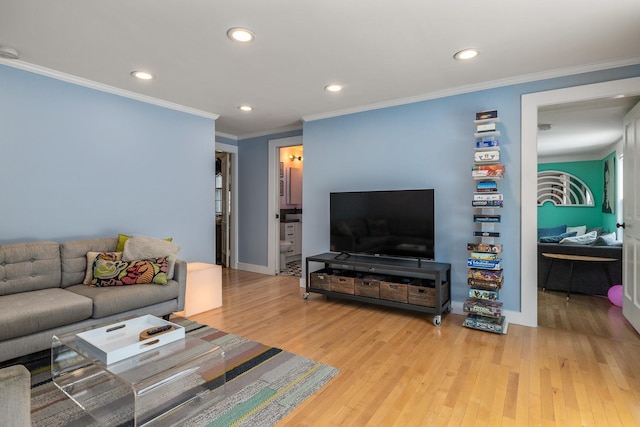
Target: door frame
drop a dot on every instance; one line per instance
(273, 240)
(233, 232)
(530, 103)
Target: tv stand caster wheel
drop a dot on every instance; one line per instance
(305, 295)
(437, 320)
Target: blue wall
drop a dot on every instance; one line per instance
(426, 145)
(77, 163)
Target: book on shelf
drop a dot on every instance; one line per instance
(487, 218)
(486, 127)
(487, 275)
(486, 264)
(488, 196)
(489, 171)
(487, 203)
(488, 142)
(486, 234)
(490, 285)
(486, 187)
(483, 307)
(490, 295)
(484, 255)
(488, 114)
(489, 156)
(483, 323)
(485, 247)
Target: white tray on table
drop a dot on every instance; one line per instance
(121, 340)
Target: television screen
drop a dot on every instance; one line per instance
(384, 223)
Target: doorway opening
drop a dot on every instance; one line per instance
(285, 201)
(226, 215)
(291, 165)
(529, 219)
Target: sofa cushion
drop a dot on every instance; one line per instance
(29, 266)
(551, 231)
(557, 239)
(109, 272)
(142, 247)
(30, 312)
(585, 239)
(92, 257)
(607, 239)
(123, 238)
(118, 299)
(73, 256)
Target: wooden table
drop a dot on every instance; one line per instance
(572, 259)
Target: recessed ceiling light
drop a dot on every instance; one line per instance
(142, 75)
(466, 54)
(240, 34)
(245, 108)
(333, 88)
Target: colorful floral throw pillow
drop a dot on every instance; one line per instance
(107, 272)
(92, 256)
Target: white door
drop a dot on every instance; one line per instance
(631, 233)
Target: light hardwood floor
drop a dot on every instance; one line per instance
(397, 369)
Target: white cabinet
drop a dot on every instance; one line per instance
(292, 232)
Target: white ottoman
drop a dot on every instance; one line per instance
(204, 288)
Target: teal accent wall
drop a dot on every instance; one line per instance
(550, 215)
(591, 172)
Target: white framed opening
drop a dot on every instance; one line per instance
(528, 314)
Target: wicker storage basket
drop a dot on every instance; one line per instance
(320, 279)
(394, 289)
(342, 281)
(368, 286)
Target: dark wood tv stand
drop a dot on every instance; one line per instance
(427, 283)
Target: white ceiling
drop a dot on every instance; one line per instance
(384, 52)
(588, 128)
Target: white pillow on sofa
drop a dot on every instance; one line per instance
(142, 247)
(585, 239)
(580, 230)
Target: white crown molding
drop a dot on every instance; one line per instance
(105, 88)
(270, 132)
(227, 135)
(478, 87)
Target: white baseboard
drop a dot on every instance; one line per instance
(262, 269)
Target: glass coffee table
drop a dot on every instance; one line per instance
(163, 386)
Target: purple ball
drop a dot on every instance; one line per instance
(615, 295)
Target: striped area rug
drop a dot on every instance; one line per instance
(263, 384)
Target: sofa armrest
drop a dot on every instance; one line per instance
(15, 396)
(180, 276)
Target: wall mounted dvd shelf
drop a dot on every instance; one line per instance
(418, 285)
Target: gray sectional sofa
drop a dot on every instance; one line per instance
(41, 294)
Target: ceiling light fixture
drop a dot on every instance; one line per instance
(333, 88)
(142, 75)
(245, 108)
(8, 52)
(242, 35)
(466, 54)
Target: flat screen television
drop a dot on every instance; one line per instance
(397, 223)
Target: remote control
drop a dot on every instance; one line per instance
(158, 330)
